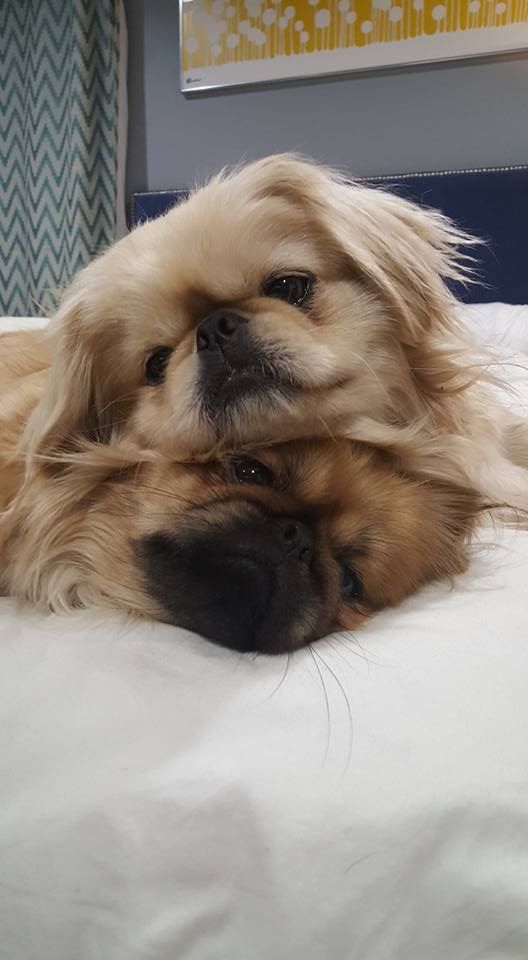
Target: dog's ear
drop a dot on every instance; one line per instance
(67, 407)
(74, 400)
(406, 252)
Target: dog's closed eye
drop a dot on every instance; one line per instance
(156, 365)
(351, 586)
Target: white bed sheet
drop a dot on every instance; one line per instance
(164, 798)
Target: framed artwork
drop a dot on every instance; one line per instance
(225, 43)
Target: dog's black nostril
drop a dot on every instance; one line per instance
(202, 339)
(217, 328)
(228, 323)
(290, 532)
(296, 539)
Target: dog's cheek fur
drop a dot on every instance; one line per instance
(63, 548)
(116, 310)
(169, 417)
(419, 533)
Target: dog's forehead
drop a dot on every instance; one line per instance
(225, 244)
(213, 249)
(324, 473)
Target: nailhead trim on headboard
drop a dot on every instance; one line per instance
(447, 173)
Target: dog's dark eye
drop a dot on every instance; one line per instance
(351, 586)
(156, 364)
(294, 289)
(244, 470)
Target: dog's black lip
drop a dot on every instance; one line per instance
(239, 381)
(246, 380)
(253, 372)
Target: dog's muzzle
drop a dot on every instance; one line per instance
(245, 581)
(233, 365)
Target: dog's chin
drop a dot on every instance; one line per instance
(246, 411)
(239, 386)
(231, 394)
(239, 380)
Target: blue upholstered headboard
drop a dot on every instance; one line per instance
(491, 203)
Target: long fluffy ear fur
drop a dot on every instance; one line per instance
(405, 252)
(67, 405)
(76, 401)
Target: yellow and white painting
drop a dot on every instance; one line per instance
(229, 42)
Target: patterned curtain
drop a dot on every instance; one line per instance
(59, 144)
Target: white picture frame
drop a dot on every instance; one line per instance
(228, 43)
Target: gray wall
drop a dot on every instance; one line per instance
(472, 113)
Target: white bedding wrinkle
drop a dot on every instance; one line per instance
(8, 324)
(165, 799)
(502, 325)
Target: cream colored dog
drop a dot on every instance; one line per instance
(281, 301)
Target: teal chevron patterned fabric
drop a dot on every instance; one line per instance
(59, 73)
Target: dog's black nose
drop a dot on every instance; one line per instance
(296, 539)
(244, 579)
(217, 328)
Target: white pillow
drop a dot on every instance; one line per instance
(165, 798)
(162, 797)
